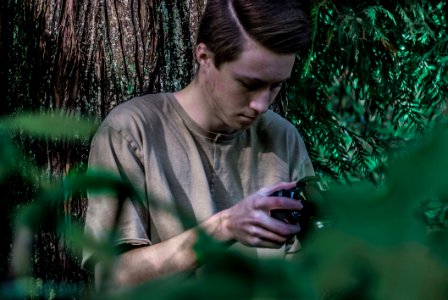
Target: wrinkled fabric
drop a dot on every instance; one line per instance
(185, 174)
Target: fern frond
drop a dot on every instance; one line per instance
(373, 11)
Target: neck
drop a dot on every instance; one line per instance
(198, 107)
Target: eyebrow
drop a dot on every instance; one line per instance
(254, 80)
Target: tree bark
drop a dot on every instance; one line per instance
(85, 57)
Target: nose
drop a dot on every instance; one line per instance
(261, 101)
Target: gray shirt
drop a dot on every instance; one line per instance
(184, 172)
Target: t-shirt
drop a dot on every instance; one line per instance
(184, 173)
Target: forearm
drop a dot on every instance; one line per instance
(248, 222)
(173, 256)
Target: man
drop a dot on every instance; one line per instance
(212, 151)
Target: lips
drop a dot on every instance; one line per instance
(248, 119)
(250, 115)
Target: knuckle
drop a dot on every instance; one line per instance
(251, 231)
(263, 191)
(254, 241)
(257, 215)
(258, 202)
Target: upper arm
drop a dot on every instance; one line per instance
(113, 152)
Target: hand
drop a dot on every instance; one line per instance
(250, 223)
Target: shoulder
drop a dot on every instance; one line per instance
(274, 132)
(140, 112)
(136, 118)
(275, 125)
(140, 107)
(276, 135)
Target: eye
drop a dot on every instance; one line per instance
(252, 86)
(276, 85)
(249, 86)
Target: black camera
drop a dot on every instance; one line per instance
(310, 191)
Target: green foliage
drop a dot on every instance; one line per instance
(377, 246)
(43, 200)
(51, 125)
(386, 241)
(374, 81)
(370, 102)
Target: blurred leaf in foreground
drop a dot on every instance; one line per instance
(378, 246)
(8, 155)
(51, 124)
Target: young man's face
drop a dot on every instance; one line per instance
(240, 91)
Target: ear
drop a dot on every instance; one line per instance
(204, 56)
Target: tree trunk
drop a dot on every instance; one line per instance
(85, 57)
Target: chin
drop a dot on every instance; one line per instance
(242, 126)
(239, 124)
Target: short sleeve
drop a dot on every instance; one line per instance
(116, 152)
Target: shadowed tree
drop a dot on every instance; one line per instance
(84, 58)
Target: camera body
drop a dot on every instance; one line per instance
(310, 191)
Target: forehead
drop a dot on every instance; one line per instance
(256, 61)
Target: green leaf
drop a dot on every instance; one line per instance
(51, 124)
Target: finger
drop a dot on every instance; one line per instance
(260, 243)
(285, 203)
(269, 244)
(266, 239)
(276, 202)
(266, 191)
(275, 226)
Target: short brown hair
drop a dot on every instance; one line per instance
(279, 25)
